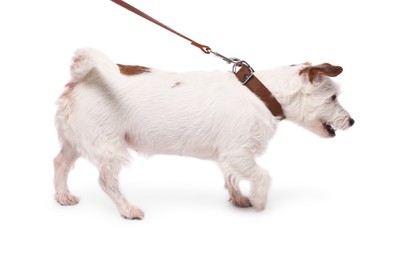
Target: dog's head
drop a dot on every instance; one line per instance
(312, 99)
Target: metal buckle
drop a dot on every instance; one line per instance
(237, 63)
(240, 64)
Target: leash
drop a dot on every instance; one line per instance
(243, 71)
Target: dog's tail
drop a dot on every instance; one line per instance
(88, 61)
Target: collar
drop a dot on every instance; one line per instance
(246, 77)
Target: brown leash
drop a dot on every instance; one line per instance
(243, 71)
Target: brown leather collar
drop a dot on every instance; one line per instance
(245, 75)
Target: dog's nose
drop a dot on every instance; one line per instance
(351, 122)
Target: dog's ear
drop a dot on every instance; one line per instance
(322, 69)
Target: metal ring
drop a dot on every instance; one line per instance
(239, 64)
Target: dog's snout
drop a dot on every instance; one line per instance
(351, 121)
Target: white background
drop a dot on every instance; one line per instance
(340, 198)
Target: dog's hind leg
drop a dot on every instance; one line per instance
(63, 163)
(243, 166)
(109, 169)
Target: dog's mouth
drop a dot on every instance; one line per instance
(329, 129)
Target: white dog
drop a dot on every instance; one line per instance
(108, 108)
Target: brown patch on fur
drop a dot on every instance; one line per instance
(322, 69)
(130, 70)
(176, 84)
(128, 138)
(130, 141)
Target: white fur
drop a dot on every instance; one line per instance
(208, 115)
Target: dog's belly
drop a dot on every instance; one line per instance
(194, 139)
(206, 151)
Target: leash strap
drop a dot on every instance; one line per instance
(131, 8)
(241, 69)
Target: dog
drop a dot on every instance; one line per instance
(107, 109)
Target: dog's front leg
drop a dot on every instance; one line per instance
(242, 165)
(232, 185)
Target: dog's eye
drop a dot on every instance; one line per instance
(333, 98)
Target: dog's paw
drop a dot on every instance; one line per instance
(66, 199)
(258, 205)
(133, 213)
(241, 202)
